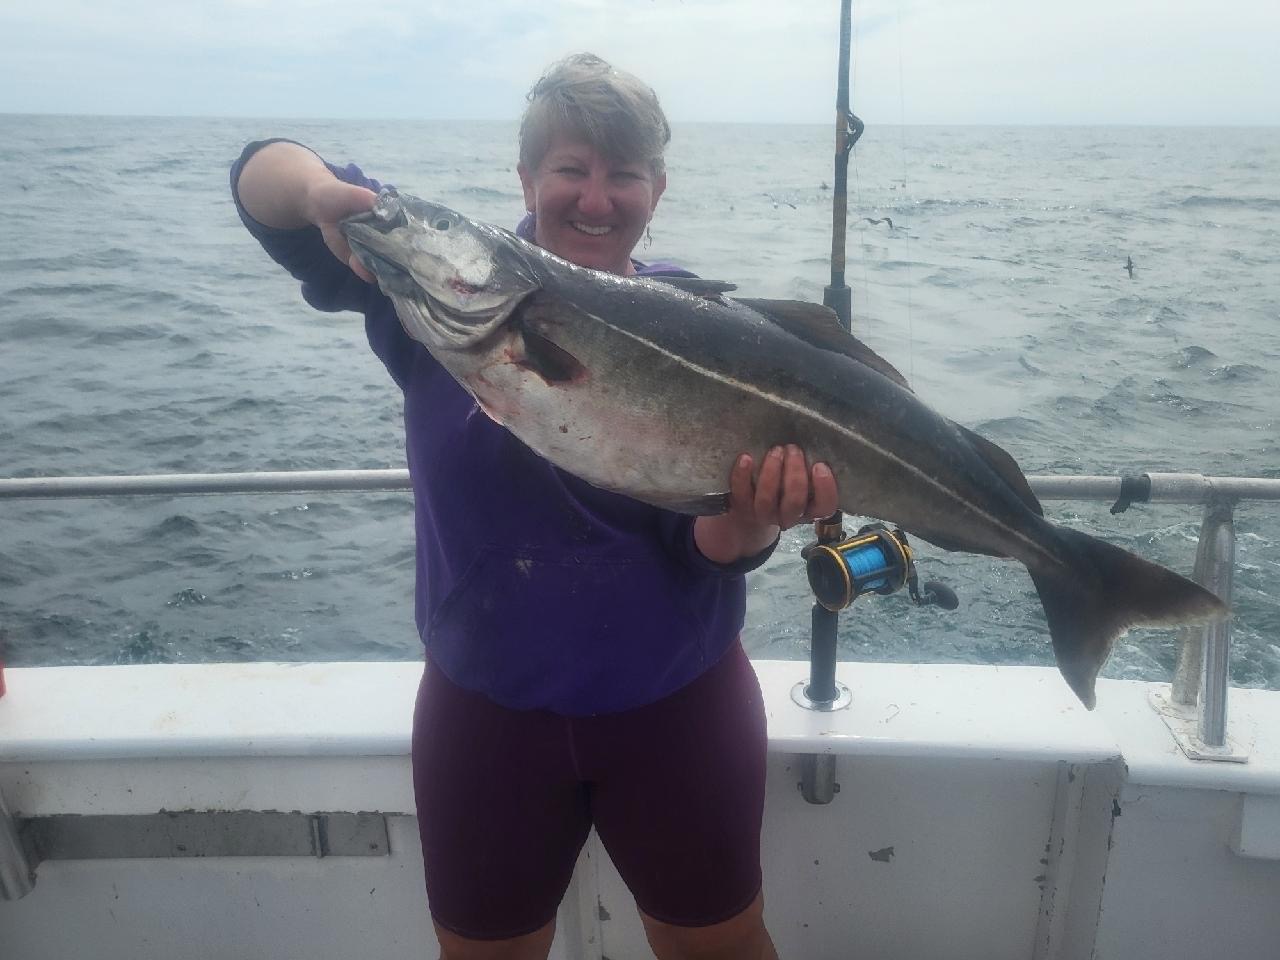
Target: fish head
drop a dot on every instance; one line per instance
(453, 281)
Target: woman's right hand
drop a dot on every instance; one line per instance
(328, 203)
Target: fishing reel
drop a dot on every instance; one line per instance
(874, 560)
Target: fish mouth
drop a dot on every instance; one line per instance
(393, 278)
(426, 318)
(369, 235)
(453, 281)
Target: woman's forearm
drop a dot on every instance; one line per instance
(275, 183)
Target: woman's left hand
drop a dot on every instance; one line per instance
(787, 492)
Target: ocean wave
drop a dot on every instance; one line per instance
(129, 333)
(147, 645)
(1009, 427)
(1165, 314)
(1194, 356)
(186, 598)
(25, 327)
(177, 525)
(486, 193)
(159, 165)
(98, 290)
(1244, 372)
(1240, 203)
(73, 149)
(944, 278)
(114, 258)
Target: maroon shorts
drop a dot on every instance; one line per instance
(506, 799)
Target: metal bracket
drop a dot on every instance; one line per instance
(17, 873)
(1184, 723)
(818, 777)
(853, 130)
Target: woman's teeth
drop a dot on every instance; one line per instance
(593, 231)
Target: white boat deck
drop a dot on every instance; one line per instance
(982, 813)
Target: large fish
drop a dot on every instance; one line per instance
(652, 388)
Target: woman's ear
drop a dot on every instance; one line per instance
(659, 185)
(530, 194)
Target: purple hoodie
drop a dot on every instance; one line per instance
(533, 587)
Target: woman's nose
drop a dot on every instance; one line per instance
(594, 199)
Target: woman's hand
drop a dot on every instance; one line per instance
(328, 203)
(287, 186)
(787, 492)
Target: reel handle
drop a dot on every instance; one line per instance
(938, 594)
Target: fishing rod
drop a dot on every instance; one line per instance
(848, 129)
(822, 691)
(875, 559)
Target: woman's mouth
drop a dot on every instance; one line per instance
(589, 229)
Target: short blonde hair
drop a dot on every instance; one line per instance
(584, 97)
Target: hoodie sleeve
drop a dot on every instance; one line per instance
(677, 535)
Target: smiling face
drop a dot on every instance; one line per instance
(591, 209)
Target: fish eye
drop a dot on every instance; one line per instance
(442, 223)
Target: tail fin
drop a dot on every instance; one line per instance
(1101, 593)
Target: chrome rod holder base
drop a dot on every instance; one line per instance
(1183, 722)
(800, 696)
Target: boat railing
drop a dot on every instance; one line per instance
(1195, 709)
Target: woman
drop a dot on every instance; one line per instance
(583, 663)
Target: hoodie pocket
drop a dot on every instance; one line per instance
(573, 634)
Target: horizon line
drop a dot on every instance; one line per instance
(740, 123)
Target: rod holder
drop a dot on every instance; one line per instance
(17, 878)
(818, 770)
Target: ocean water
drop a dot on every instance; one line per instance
(143, 331)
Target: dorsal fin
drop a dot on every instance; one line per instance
(707, 289)
(1005, 466)
(818, 326)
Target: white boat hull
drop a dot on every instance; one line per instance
(981, 813)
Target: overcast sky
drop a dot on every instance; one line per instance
(916, 61)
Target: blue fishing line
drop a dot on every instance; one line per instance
(864, 561)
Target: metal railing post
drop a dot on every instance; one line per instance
(1188, 672)
(1219, 534)
(1195, 709)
